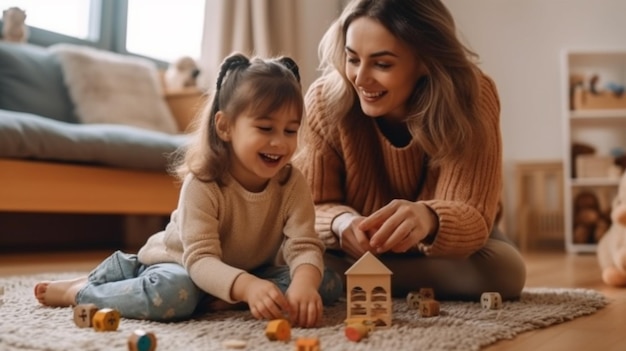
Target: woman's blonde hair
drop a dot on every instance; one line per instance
(243, 84)
(443, 114)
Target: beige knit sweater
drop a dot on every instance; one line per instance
(352, 167)
(217, 233)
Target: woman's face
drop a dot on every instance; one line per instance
(382, 69)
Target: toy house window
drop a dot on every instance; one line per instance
(358, 299)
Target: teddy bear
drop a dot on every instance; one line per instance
(14, 28)
(611, 250)
(590, 222)
(182, 73)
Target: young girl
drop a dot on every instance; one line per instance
(242, 211)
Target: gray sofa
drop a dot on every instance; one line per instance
(51, 162)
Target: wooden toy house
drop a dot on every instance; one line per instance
(369, 291)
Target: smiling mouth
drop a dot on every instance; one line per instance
(271, 157)
(372, 95)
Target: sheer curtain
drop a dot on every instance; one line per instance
(253, 27)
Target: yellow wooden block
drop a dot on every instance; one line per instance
(278, 329)
(307, 344)
(106, 319)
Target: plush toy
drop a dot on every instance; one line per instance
(612, 247)
(182, 73)
(14, 27)
(590, 223)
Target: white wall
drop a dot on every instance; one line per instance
(520, 44)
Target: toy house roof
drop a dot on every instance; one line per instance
(368, 264)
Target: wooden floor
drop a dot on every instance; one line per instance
(604, 330)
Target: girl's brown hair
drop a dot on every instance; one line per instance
(243, 84)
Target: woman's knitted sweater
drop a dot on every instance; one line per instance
(352, 167)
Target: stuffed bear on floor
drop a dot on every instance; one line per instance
(612, 247)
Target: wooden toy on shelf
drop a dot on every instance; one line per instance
(491, 300)
(83, 314)
(141, 340)
(368, 286)
(278, 329)
(307, 344)
(106, 319)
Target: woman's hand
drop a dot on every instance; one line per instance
(354, 241)
(399, 225)
(264, 298)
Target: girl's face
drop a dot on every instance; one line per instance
(382, 69)
(260, 145)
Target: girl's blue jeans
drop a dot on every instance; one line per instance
(164, 292)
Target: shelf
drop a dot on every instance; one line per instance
(618, 114)
(594, 116)
(590, 182)
(582, 248)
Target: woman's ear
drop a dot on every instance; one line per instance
(222, 126)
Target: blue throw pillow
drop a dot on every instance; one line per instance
(31, 81)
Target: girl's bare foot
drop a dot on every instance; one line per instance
(59, 293)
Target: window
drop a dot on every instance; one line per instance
(168, 30)
(161, 30)
(72, 18)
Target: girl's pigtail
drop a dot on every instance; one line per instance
(291, 65)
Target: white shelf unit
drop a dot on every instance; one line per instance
(602, 128)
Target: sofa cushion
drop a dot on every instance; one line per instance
(107, 87)
(31, 81)
(29, 136)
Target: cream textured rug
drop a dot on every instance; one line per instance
(25, 325)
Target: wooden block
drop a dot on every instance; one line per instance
(106, 319)
(83, 314)
(307, 344)
(429, 308)
(141, 340)
(427, 293)
(278, 329)
(413, 298)
(356, 331)
(234, 344)
(491, 300)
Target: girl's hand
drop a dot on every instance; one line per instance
(305, 301)
(306, 305)
(354, 241)
(264, 299)
(399, 225)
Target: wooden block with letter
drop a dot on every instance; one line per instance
(106, 319)
(429, 308)
(83, 314)
(491, 300)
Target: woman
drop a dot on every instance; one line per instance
(403, 154)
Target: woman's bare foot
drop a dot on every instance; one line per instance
(59, 293)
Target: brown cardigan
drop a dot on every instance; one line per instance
(352, 167)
